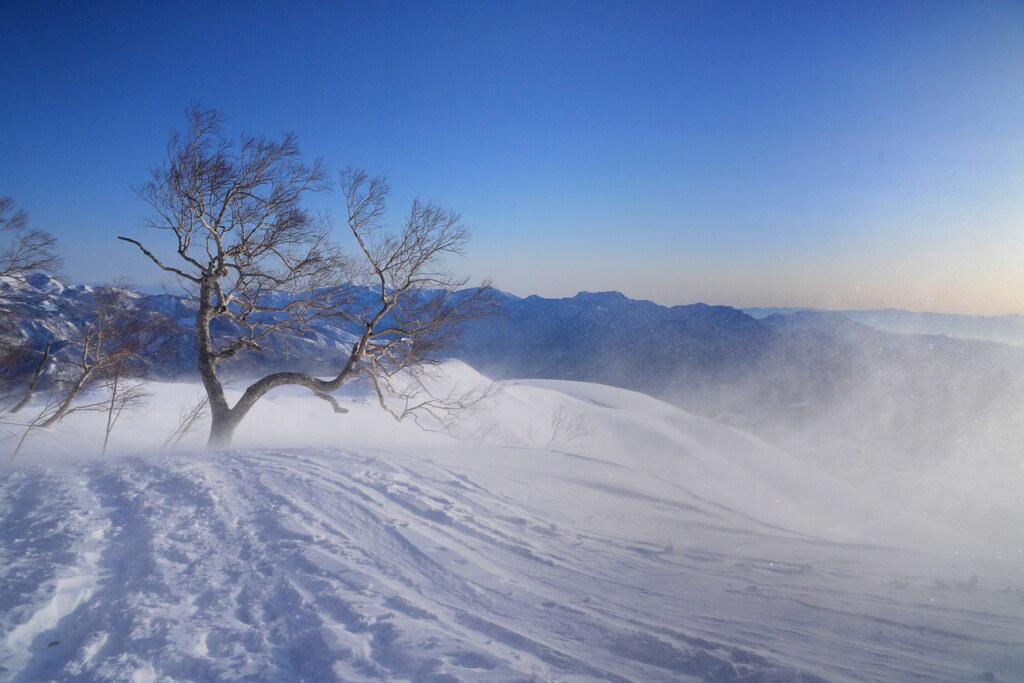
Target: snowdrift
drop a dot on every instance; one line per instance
(561, 531)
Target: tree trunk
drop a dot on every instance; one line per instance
(110, 409)
(35, 378)
(69, 398)
(222, 429)
(223, 420)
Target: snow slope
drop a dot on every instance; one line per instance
(648, 545)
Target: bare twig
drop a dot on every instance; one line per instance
(189, 416)
(565, 428)
(35, 423)
(125, 397)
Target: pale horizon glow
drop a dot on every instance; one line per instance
(931, 287)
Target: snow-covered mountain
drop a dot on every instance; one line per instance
(877, 406)
(566, 532)
(47, 310)
(816, 383)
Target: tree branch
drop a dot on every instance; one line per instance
(155, 260)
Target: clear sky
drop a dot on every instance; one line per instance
(831, 154)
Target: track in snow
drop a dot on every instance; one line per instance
(326, 565)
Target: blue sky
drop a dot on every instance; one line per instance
(833, 154)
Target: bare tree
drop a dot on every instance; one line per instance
(103, 375)
(566, 427)
(118, 337)
(126, 396)
(260, 264)
(22, 252)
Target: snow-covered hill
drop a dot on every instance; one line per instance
(815, 384)
(566, 532)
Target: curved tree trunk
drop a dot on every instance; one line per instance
(225, 419)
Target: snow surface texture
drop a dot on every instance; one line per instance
(566, 532)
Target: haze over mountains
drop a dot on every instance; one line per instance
(1007, 329)
(823, 383)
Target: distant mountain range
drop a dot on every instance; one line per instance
(824, 384)
(48, 310)
(817, 383)
(1006, 329)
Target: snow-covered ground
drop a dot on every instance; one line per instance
(565, 532)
